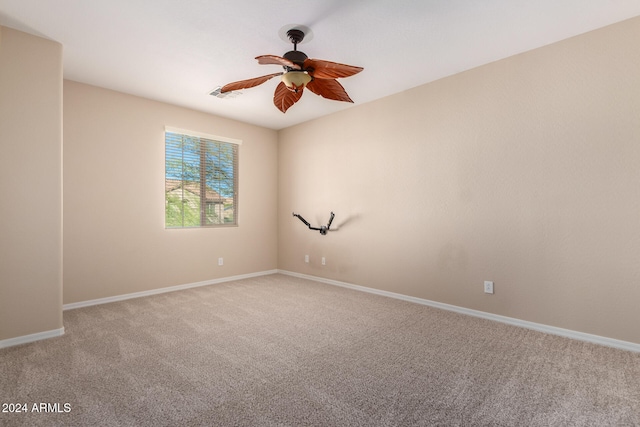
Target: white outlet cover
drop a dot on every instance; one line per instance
(488, 287)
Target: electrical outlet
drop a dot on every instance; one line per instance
(324, 261)
(220, 261)
(488, 287)
(306, 259)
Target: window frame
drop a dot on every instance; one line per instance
(203, 205)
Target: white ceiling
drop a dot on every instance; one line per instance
(177, 51)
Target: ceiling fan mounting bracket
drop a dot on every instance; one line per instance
(306, 32)
(295, 36)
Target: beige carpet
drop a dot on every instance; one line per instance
(282, 351)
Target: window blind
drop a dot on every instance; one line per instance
(201, 180)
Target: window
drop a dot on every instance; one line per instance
(201, 180)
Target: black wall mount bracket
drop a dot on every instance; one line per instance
(322, 229)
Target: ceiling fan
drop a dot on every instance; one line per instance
(300, 71)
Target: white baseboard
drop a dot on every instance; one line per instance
(106, 300)
(24, 339)
(58, 332)
(596, 339)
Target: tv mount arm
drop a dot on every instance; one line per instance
(323, 229)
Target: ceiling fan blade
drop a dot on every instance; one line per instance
(246, 84)
(329, 88)
(329, 70)
(284, 98)
(276, 60)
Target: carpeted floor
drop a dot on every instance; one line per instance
(282, 351)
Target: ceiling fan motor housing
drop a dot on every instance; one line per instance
(295, 56)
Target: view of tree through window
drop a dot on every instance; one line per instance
(200, 181)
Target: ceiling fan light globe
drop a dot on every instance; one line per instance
(294, 80)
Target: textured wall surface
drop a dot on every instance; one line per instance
(114, 237)
(30, 184)
(525, 171)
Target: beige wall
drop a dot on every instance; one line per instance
(525, 172)
(30, 184)
(114, 237)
